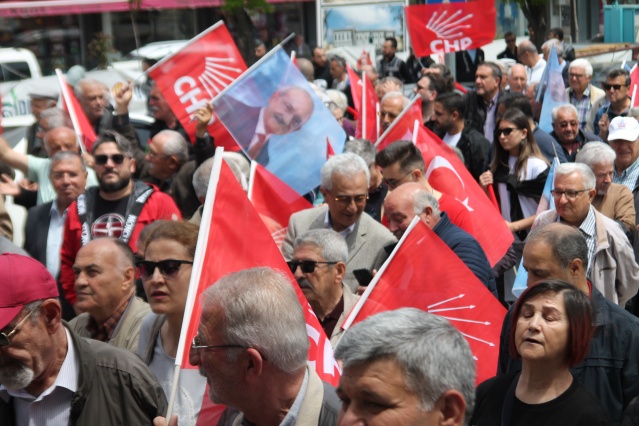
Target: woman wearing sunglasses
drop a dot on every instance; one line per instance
(519, 169)
(166, 273)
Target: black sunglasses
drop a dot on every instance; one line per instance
(607, 86)
(168, 267)
(101, 160)
(308, 266)
(505, 131)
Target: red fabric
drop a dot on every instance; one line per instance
(81, 124)
(329, 153)
(233, 219)
(158, 206)
(364, 59)
(424, 273)
(461, 88)
(195, 74)
(634, 85)
(402, 128)
(457, 213)
(450, 27)
(275, 202)
(493, 198)
(370, 104)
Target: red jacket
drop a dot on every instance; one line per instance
(158, 206)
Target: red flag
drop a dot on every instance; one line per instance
(227, 219)
(365, 101)
(329, 150)
(195, 74)
(461, 88)
(403, 126)
(81, 125)
(274, 200)
(364, 59)
(450, 27)
(634, 86)
(413, 277)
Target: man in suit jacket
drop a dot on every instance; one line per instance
(285, 112)
(345, 181)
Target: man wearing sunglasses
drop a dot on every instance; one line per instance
(319, 265)
(120, 207)
(345, 181)
(617, 88)
(50, 375)
(611, 268)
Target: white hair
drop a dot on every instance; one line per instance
(396, 94)
(596, 153)
(423, 199)
(331, 243)
(175, 145)
(589, 179)
(347, 165)
(581, 63)
(555, 111)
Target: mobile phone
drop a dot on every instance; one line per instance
(363, 276)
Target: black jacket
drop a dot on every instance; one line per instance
(583, 137)
(475, 148)
(476, 110)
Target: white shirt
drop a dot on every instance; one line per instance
(536, 72)
(54, 238)
(344, 232)
(452, 140)
(534, 166)
(53, 406)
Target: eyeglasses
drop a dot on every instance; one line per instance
(506, 131)
(308, 266)
(197, 344)
(616, 87)
(346, 200)
(394, 183)
(5, 338)
(388, 114)
(575, 76)
(168, 267)
(570, 195)
(101, 160)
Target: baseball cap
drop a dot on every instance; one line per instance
(24, 280)
(625, 128)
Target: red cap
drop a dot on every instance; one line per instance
(24, 280)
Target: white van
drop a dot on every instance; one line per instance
(18, 64)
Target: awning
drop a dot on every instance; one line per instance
(27, 9)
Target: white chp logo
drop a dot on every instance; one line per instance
(447, 29)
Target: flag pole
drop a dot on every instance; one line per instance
(634, 96)
(198, 260)
(415, 128)
(363, 106)
(377, 120)
(358, 306)
(249, 192)
(397, 120)
(74, 118)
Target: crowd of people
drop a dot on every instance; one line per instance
(93, 304)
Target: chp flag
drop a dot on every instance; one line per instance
(413, 276)
(195, 74)
(450, 27)
(228, 217)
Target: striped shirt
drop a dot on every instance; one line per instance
(53, 406)
(588, 230)
(629, 176)
(582, 105)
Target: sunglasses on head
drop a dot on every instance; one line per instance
(168, 267)
(308, 266)
(102, 159)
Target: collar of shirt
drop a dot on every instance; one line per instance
(588, 225)
(630, 174)
(294, 412)
(104, 331)
(490, 105)
(55, 212)
(67, 377)
(344, 232)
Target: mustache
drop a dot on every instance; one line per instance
(303, 283)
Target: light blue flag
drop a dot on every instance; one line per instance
(278, 120)
(554, 93)
(547, 202)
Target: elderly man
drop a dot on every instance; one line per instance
(388, 84)
(377, 189)
(581, 93)
(402, 162)
(450, 110)
(535, 64)
(345, 182)
(50, 375)
(517, 79)
(611, 266)
(91, 95)
(616, 87)
(610, 371)
(389, 65)
(391, 106)
(319, 265)
(411, 200)
(559, 49)
(624, 133)
(415, 362)
(104, 272)
(120, 207)
(566, 131)
(263, 372)
(171, 170)
(482, 102)
(341, 81)
(40, 101)
(612, 200)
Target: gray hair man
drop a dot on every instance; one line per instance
(92, 96)
(40, 101)
(517, 78)
(104, 272)
(530, 57)
(611, 268)
(390, 107)
(376, 189)
(319, 265)
(411, 360)
(388, 84)
(546, 47)
(612, 199)
(566, 131)
(558, 251)
(345, 182)
(256, 317)
(582, 94)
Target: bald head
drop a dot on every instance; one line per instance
(60, 139)
(407, 201)
(527, 53)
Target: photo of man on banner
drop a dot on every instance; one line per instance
(278, 120)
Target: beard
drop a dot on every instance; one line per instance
(114, 186)
(15, 376)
